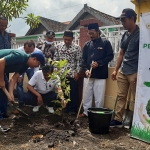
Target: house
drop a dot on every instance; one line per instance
(86, 13)
(141, 6)
(45, 25)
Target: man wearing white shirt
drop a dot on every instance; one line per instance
(28, 48)
(43, 89)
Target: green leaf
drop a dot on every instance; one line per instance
(14, 8)
(147, 84)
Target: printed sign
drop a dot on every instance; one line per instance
(141, 119)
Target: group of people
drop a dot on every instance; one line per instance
(93, 59)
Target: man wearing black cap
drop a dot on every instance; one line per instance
(18, 62)
(97, 53)
(127, 62)
(72, 53)
(48, 48)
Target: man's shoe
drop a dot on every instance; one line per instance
(36, 108)
(115, 123)
(82, 115)
(50, 109)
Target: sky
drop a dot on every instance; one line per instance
(65, 10)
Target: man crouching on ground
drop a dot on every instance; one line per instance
(41, 89)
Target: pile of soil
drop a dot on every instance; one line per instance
(44, 131)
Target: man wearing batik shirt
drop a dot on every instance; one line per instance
(72, 53)
(5, 41)
(48, 48)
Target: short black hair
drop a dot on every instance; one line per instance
(48, 68)
(30, 43)
(3, 18)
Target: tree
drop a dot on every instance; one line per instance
(14, 8)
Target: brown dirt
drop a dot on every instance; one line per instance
(64, 136)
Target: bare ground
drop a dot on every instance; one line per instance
(24, 131)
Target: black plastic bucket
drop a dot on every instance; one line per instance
(99, 120)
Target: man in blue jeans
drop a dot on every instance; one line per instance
(14, 61)
(29, 47)
(42, 89)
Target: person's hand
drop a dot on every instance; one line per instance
(113, 75)
(11, 99)
(63, 103)
(76, 76)
(20, 79)
(40, 100)
(94, 64)
(143, 117)
(2, 84)
(88, 74)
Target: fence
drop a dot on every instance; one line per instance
(112, 33)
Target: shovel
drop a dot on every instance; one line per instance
(87, 82)
(9, 97)
(128, 115)
(113, 115)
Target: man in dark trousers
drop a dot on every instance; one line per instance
(127, 62)
(72, 53)
(5, 40)
(18, 62)
(97, 53)
(28, 48)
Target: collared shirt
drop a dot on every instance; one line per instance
(16, 61)
(41, 85)
(131, 55)
(73, 56)
(5, 41)
(99, 50)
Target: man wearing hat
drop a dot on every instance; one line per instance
(72, 53)
(127, 64)
(18, 62)
(48, 48)
(97, 53)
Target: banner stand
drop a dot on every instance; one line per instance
(141, 120)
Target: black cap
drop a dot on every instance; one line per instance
(93, 26)
(50, 33)
(127, 13)
(68, 33)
